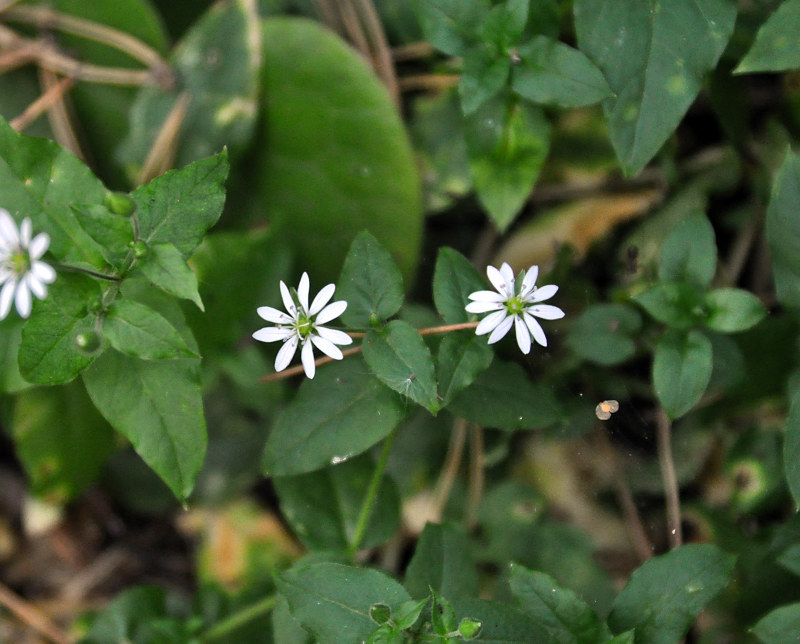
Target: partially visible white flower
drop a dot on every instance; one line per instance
(507, 307)
(22, 272)
(302, 326)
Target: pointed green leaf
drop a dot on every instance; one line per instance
(665, 595)
(485, 74)
(779, 626)
(791, 448)
(158, 407)
(400, 358)
(676, 304)
(462, 358)
(689, 253)
(654, 56)
(682, 365)
(122, 620)
(605, 333)
(731, 310)
(783, 231)
(501, 623)
(442, 561)
(454, 278)
(370, 282)
(342, 412)
(504, 24)
(775, 48)
(165, 267)
(11, 380)
(140, 332)
(451, 25)
(552, 73)
(112, 232)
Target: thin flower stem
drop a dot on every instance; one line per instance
(450, 468)
(372, 493)
(476, 475)
(239, 619)
(669, 478)
(81, 269)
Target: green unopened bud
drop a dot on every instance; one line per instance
(380, 613)
(88, 341)
(120, 203)
(469, 628)
(140, 249)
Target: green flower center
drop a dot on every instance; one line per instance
(515, 306)
(18, 262)
(304, 326)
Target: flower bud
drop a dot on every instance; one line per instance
(380, 613)
(469, 628)
(140, 249)
(88, 341)
(120, 203)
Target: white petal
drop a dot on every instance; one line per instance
(544, 293)
(483, 307)
(273, 315)
(286, 354)
(307, 356)
(25, 232)
(323, 297)
(333, 310)
(36, 287)
(288, 302)
(8, 230)
(43, 272)
(546, 311)
(497, 280)
(22, 300)
(272, 334)
(530, 281)
(6, 297)
(536, 329)
(302, 291)
(39, 245)
(490, 322)
(334, 335)
(508, 276)
(501, 330)
(487, 296)
(328, 348)
(523, 335)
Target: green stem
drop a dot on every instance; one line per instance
(372, 493)
(239, 619)
(87, 271)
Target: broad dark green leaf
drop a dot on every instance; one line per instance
(775, 48)
(285, 628)
(689, 254)
(730, 310)
(323, 507)
(370, 283)
(552, 73)
(485, 74)
(61, 440)
(605, 333)
(158, 406)
(676, 304)
(140, 332)
(504, 398)
(780, 626)
(166, 267)
(454, 278)
(335, 158)
(501, 623)
(504, 24)
(442, 561)
(111, 231)
(332, 601)
(181, 205)
(783, 231)
(507, 145)
(399, 357)
(11, 380)
(126, 617)
(51, 352)
(462, 357)
(654, 56)
(566, 617)
(682, 365)
(217, 65)
(342, 412)
(791, 447)
(664, 595)
(451, 25)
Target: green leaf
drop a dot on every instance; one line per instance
(408, 613)
(285, 628)
(503, 26)
(501, 622)
(676, 304)
(454, 278)
(335, 157)
(605, 333)
(51, 353)
(503, 397)
(552, 73)
(11, 380)
(332, 601)
(682, 365)
(158, 407)
(399, 357)
(664, 595)
(140, 332)
(485, 73)
(165, 267)
(217, 65)
(451, 25)
(507, 146)
(370, 282)
(111, 231)
(689, 254)
(462, 358)
(791, 447)
(443, 617)
(783, 231)
(731, 310)
(181, 205)
(566, 617)
(775, 47)
(61, 440)
(654, 56)
(779, 626)
(323, 507)
(126, 617)
(442, 561)
(342, 412)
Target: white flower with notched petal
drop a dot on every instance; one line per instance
(507, 307)
(301, 326)
(22, 272)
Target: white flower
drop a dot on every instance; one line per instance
(302, 326)
(509, 307)
(22, 273)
